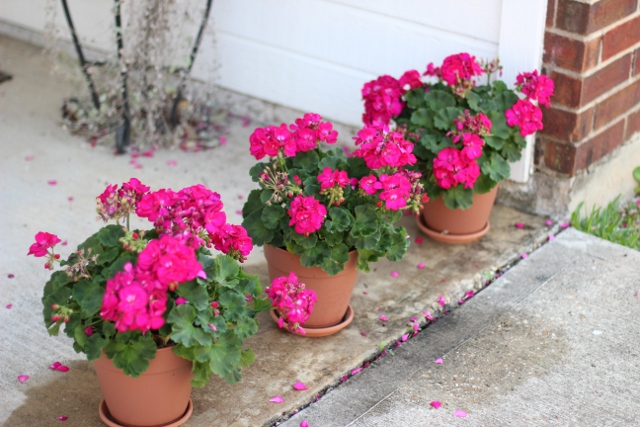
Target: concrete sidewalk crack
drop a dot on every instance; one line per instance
(370, 409)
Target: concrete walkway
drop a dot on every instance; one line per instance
(554, 342)
(49, 181)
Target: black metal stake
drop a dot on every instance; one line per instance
(123, 134)
(194, 52)
(83, 63)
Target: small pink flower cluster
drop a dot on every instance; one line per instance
(457, 68)
(332, 184)
(525, 113)
(195, 214)
(300, 137)
(307, 214)
(293, 302)
(383, 96)
(380, 149)
(478, 124)
(536, 87)
(116, 203)
(136, 298)
(453, 167)
(44, 242)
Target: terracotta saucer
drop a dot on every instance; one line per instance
(321, 332)
(106, 417)
(450, 238)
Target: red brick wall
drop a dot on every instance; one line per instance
(592, 52)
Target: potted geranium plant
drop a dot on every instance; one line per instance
(134, 300)
(467, 129)
(326, 213)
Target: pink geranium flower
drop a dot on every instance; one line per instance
(456, 68)
(525, 115)
(44, 241)
(307, 214)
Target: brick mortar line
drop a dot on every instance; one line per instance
(599, 67)
(628, 82)
(593, 133)
(596, 34)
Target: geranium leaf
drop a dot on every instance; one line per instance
(484, 184)
(93, 347)
(233, 304)
(474, 100)
(365, 221)
(256, 229)
(110, 235)
(247, 358)
(314, 256)
(183, 332)
(444, 118)
(335, 263)
(341, 219)
(365, 257)
(256, 170)
(458, 197)
(132, 357)
(422, 118)
(246, 327)
(89, 295)
(91, 246)
(271, 216)
(415, 97)
(260, 305)
(225, 354)
(307, 160)
(494, 142)
(305, 241)
(399, 245)
(439, 99)
(497, 168)
(195, 293)
(202, 373)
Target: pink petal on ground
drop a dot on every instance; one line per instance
(384, 318)
(469, 294)
(405, 337)
(441, 300)
(565, 225)
(355, 371)
(172, 163)
(524, 256)
(149, 152)
(438, 361)
(138, 166)
(364, 334)
(63, 368)
(548, 223)
(70, 198)
(460, 413)
(29, 158)
(428, 316)
(304, 424)
(223, 140)
(65, 243)
(55, 365)
(343, 379)
(52, 182)
(276, 399)
(419, 240)
(436, 404)
(23, 378)
(394, 274)
(246, 121)
(551, 237)
(378, 308)
(300, 386)
(421, 265)
(9, 306)
(11, 275)
(365, 293)
(519, 225)
(239, 212)
(63, 418)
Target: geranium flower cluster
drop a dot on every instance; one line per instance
(293, 302)
(388, 152)
(524, 113)
(116, 203)
(307, 214)
(283, 141)
(195, 214)
(452, 167)
(136, 298)
(383, 96)
(44, 247)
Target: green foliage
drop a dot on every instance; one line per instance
(358, 223)
(615, 223)
(211, 338)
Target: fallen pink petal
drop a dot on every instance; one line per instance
(551, 237)
(23, 378)
(405, 337)
(65, 243)
(419, 240)
(343, 379)
(355, 371)
(565, 225)
(524, 256)
(519, 225)
(304, 424)
(548, 223)
(469, 294)
(223, 140)
(55, 365)
(52, 182)
(394, 274)
(428, 316)
(172, 163)
(9, 306)
(436, 404)
(70, 198)
(441, 300)
(364, 334)
(11, 276)
(63, 418)
(276, 399)
(421, 265)
(460, 413)
(239, 212)
(365, 293)
(438, 361)
(29, 158)
(300, 386)
(384, 318)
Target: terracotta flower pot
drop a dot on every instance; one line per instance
(334, 292)
(158, 397)
(457, 225)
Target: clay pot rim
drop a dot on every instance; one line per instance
(106, 418)
(450, 238)
(321, 332)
